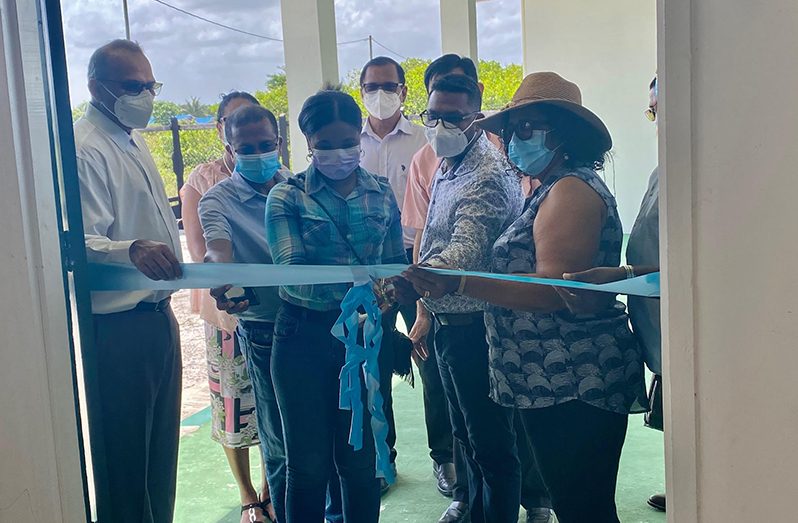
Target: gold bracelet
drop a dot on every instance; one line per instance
(630, 271)
(461, 287)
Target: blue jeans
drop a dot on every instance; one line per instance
(255, 338)
(306, 362)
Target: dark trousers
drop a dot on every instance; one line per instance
(134, 412)
(256, 338)
(578, 448)
(306, 362)
(386, 364)
(436, 409)
(484, 428)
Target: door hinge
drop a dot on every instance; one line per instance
(66, 251)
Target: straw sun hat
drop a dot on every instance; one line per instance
(549, 90)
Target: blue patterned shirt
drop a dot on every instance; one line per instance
(470, 207)
(300, 232)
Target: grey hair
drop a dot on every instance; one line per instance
(101, 59)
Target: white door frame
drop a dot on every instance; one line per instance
(674, 40)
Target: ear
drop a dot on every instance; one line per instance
(220, 131)
(230, 151)
(94, 88)
(481, 87)
(403, 94)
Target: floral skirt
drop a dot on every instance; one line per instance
(234, 423)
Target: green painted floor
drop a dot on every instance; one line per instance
(206, 492)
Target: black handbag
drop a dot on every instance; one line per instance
(399, 344)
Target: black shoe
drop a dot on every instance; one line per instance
(446, 477)
(456, 513)
(539, 515)
(657, 501)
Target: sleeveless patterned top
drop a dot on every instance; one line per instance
(539, 360)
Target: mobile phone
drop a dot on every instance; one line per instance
(239, 294)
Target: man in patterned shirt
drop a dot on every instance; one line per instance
(475, 196)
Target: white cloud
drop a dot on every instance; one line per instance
(194, 58)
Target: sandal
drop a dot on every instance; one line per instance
(264, 505)
(252, 516)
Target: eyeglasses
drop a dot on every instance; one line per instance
(651, 114)
(388, 87)
(135, 87)
(450, 121)
(523, 130)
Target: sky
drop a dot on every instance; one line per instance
(197, 59)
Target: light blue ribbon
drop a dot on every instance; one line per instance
(363, 357)
(118, 277)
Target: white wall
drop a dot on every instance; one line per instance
(730, 227)
(40, 475)
(608, 49)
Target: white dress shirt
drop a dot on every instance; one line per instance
(123, 200)
(390, 157)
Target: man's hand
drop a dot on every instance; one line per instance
(155, 260)
(588, 302)
(418, 334)
(403, 291)
(223, 303)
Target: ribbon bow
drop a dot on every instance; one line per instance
(363, 357)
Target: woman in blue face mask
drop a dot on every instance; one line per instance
(574, 379)
(334, 213)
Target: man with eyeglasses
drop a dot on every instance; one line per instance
(134, 403)
(475, 196)
(389, 141)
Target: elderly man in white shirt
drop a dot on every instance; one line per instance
(134, 406)
(388, 142)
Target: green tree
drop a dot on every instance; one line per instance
(79, 111)
(275, 96)
(164, 110)
(195, 107)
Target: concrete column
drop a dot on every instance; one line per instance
(729, 223)
(609, 50)
(459, 27)
(311, 59)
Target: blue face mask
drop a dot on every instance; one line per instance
(336, 164)
(531, 156)
(258, 168)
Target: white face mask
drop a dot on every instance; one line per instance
(382, 105)
(133, 111)
(447, 143)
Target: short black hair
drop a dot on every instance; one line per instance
(460, 83)
(229, 97)
(448, 63)
(383, 60)
(327, 106)
(249, 114)
(101, 58)
(653, 84)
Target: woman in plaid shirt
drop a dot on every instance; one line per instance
(334, 213)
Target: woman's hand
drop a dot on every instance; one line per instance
(225, 304)
(589, 302)
(429, 284)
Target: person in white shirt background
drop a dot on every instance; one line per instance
(388, 141)
(134, 404)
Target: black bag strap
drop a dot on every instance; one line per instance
(296, 183)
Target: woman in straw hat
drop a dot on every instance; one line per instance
(573, 378)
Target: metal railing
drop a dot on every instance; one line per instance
(178, 148)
